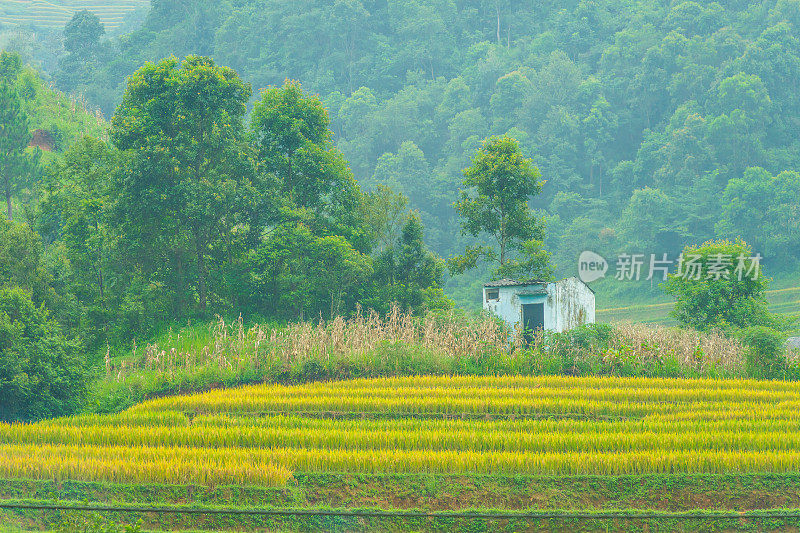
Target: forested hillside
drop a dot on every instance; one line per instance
(643, 117)
(655, 125)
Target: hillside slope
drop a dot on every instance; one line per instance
(53, 15)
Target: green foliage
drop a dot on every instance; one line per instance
(766, 352)
(769, 204)
(182, 125)
(22, 264)
(82, 33)
(75, 211)
(672, 99)
(711, 297)
(16, 164)
(85, 522)
(41, 374)
(285, 122)
(408, 274)
(498, 186)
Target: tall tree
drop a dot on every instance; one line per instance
(494, 202)
(82, 45)
(75, 208)
(14, 138)
(287, 123)
(82, 33)
(293, 144)
(183, 126)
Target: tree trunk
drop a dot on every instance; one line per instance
(600, 180)
(289, 184)
(102, 290)
(497, 8)
(9, 207)
(201, 271)
(503, 238)
(100, 266)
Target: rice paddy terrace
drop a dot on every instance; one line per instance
(427, 443)
(41, 14)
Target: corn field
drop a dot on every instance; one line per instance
(262, 435)
(266, 351)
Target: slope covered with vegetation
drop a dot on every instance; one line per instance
(628, 108)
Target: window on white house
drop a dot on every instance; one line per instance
(492, 294)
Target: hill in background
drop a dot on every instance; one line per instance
(655, 125)
(39, 14)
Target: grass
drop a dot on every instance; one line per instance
(415, 492)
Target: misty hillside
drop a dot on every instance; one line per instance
(654, 124)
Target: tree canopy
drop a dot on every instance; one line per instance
(497, 188)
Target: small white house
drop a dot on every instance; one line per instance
(552, 306)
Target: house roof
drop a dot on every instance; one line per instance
(514, 283)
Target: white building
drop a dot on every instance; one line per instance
(552, 306)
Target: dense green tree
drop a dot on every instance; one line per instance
(289, 126)
(613, 98)
(719, 284)
(408, 274)
(296, 274)
(339, 272)
(84, 52)
(182, 124)
(76, 211)
(82, 34)
(293, 144)
(406, 172)
(764, 210)
(645, 221)
(41, 374)
(21, 262)
(15, 163)
(494, 202)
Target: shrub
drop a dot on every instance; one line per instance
(765, 354)
(720, 287)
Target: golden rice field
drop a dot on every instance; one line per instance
(262, 435)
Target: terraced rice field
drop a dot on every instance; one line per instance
(265, 435)
(55, 14)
